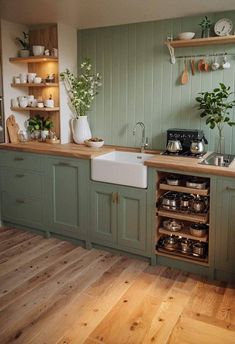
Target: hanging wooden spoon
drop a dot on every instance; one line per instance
(192, 65)
(185, 76)
(200, 65)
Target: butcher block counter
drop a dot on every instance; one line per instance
(183, 164)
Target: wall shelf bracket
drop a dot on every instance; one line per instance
(172, 52)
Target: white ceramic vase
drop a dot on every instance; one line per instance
(80, 129)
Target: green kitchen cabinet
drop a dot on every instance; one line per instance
(225, 226)
(67, 196)
(22, 189)
(118, 217)
(103, 213)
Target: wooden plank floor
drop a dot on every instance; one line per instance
(53, 292)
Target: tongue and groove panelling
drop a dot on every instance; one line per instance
(140, 84)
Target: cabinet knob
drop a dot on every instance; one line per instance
(18, 175)
(20, 201)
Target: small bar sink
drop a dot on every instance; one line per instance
(124, 168)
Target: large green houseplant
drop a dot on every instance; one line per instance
(216, 107)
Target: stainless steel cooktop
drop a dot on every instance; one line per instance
(216, 159)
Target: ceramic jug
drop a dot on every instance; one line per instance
(80, 129)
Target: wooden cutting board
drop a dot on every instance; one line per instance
(13, 129)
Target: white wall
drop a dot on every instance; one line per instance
(67, 47)
(9, 32)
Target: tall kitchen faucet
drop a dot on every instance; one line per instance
(144, 141)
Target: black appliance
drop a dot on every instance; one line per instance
(185, 136)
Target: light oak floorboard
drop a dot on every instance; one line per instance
(53, 292)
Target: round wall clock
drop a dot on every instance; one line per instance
(223, 27)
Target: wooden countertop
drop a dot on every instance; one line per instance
(71, 150)
(159, 161)
(185, 164)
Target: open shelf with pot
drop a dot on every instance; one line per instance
(47, 69)
(182, 217)
(197, 42)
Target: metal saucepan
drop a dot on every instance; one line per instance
(199, 205)
(198, 229)
(172, 180)
(174, 146)
(185, 246)
(170, 243)
(199, 249)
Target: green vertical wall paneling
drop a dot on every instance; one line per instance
(140, 84)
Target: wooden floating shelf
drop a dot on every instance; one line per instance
(33, 59)
(35, 109)
(181, 256)
(201, 192)
(197, 42)
(183, 233)
(46, 84)
(199, 218)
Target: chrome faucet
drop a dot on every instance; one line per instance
(144, 141)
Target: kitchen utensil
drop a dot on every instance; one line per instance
(206, 66)
(172, 225)
(196, 183)
(185, 76)
(225, 63)
(186, 35)
(172, 180)
(174, 146)
(197, 147)
(198, 229)
(13, 129)
(38, 50)
(200, 65)
(199, 205)
(170, 243)
(185, 246)
(170, 201)
(215, 65)
(192, 65)
(199, 249)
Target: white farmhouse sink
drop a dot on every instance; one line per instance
(123, 168)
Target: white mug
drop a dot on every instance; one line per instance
(14, 102)
(24, 102)
(37, 80)
(49, 103)
(31, 77)
(17, 80)
(33, 103)
(40, 105)
(23, 78)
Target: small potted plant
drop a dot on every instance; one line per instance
(35, 126)
(24, 42)
(47, 125)
(216, 108)
(205, 26)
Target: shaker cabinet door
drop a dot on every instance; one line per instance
(67, 192)
(103, 213)
(225, 226)
(132, 224)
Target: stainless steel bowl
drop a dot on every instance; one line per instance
(172, 225)
(172, 180)
(196, 184)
